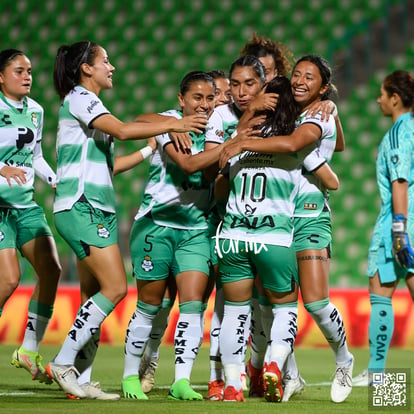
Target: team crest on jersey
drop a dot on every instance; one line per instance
(35, 121)
(103, 231)
(147, 264)
(2, 236)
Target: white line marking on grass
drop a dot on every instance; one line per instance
(205, 387)
(5, 394)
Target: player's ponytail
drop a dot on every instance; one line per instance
(68, 61)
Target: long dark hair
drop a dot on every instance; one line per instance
(250, 61)
(7, 55)
(281, 121)
(400, 82)
(326, 75)
(69, 58)
(195, 76)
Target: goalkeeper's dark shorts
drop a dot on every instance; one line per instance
(387, 267)
(313, 233)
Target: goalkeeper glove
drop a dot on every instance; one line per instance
(401, 245)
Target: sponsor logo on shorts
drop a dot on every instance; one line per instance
(2, 237)
(103, 231)
(147, 264)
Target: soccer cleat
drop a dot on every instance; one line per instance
(181, 390)
(31, 362)
(147, 373)
(361, 380)
(342, 383)
(272, 379)
(93, 391)
(256, 388)
(215, 390)
(232, 395)
(131, 387)
(67, 378)
(292, 387)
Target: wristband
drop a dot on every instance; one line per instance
(234, 134)
(146, 152)
(399, 224)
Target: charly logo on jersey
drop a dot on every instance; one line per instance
(147, 264)
(2, 236)
(102, 231)
(35, 121)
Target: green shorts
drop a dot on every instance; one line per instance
(83, 226)
(388, 269)
(158, 251)
(276, 265)
(20, 225)
(313, 233)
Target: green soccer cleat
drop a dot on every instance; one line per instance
(31, 362)
(131, 387)
(181, 390)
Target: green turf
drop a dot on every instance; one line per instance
(19, 394)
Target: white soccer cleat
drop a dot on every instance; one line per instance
(93, 391)
(292, 387)
(342, 383)
(67, 378)
(361, 380)
(147, 373)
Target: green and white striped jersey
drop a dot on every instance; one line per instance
(174, 198)
(85, 156)
(20, 146)
(312, 196)
(222, 123)
(263, 189)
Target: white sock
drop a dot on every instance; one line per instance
(232, 339)
(291, 370)
(283, 333)
(159, 325)
(87, 322)
(137, 335)
(186, 341)
(34, 332)
(85, 357)
(216, 367)
(258, 342)
(330, 323)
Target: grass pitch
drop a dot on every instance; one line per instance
(19, 394)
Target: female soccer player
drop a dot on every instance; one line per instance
(391, 255)
(84, 206)
(311, 82)
(23, 226)
(169, 237)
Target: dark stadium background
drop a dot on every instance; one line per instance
(153, 43)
